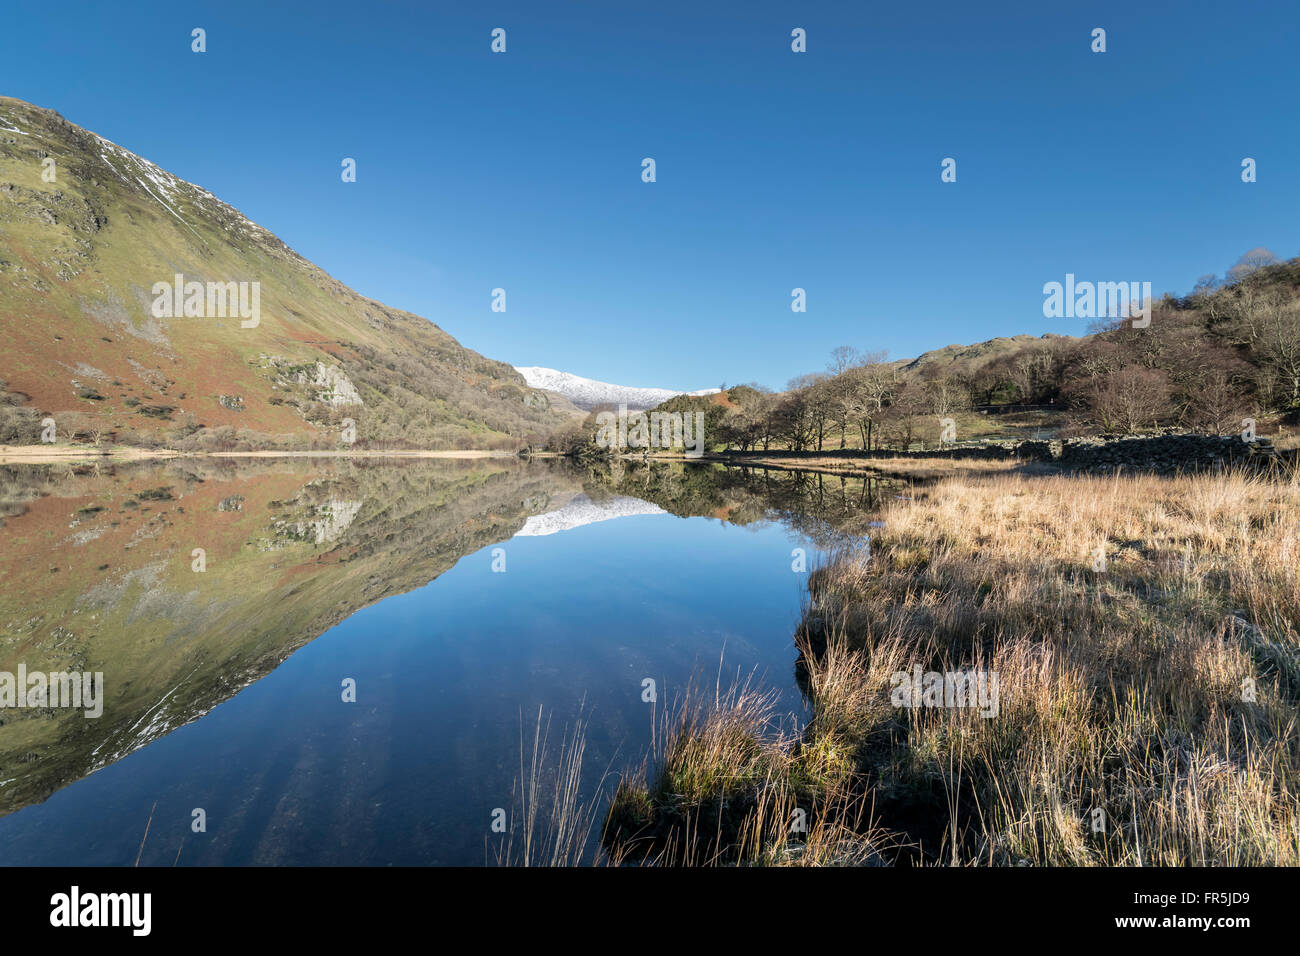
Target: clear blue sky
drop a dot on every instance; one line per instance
(775, 169)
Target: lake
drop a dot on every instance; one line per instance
(235, 609)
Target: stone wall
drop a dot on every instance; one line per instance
(1168, 454)
(1163, 454)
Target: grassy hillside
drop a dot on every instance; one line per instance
(79, 257)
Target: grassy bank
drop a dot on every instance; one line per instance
(1146, 710)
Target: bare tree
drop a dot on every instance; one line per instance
(1250, 263)
(1247, 290)
(792, 419)
(874, 380)
(844, 359)
(1128, 400)
(942, 391)
(1216, 405)
(1279, 344)
(816, 390)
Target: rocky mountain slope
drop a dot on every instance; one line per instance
(92, 238)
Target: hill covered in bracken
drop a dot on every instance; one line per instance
(87, 232)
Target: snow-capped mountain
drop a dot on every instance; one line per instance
(587, 393)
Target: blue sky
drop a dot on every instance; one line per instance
(775, 170)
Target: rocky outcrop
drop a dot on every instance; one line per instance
(334, 387)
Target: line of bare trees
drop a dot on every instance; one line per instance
(851, 404)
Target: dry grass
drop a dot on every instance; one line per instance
(550, 823)
(1147, 710)
(1286, 438)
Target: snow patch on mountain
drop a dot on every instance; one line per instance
(587, 393)
(171, 191)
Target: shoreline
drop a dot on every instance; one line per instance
(848, 466)
(46, 454)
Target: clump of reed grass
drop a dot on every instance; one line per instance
(550, 822)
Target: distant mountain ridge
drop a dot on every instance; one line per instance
(587, 393)
(980, 353)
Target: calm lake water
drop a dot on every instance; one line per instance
(460, 597)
